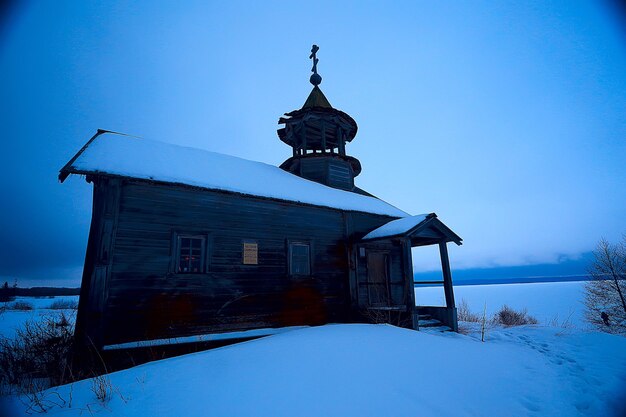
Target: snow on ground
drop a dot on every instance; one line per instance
(379, 370)
(373, 370)
(10, 320)
(544, 300)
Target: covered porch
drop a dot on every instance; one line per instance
(387, 271)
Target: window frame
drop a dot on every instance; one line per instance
(243, 252)
(290, 244)
(177, 237)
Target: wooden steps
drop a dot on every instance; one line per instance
(426, 322)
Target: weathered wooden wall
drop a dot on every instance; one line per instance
(144, 299)
(98, 258)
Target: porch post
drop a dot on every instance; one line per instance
(447, 276)
(407, 263)
(447, 287)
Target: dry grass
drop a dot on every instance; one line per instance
(465, 314)
(64, 305)
(20, 306)
(38, 356)
(381, 316)
(102, 388)
(507, 316)
(510, 317)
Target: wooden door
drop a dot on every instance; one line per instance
(378, 278)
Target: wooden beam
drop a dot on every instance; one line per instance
(352, 261)
(447, 275)
(340, 140)
(407, 267)
(445, 230)
(67, 169)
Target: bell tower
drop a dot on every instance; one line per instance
(318, 135)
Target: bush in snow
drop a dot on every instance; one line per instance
(604, 295)
(38, 356)
(509, 317)
(464, 313)
(64, 305)
(20, 306)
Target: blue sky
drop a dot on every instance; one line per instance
(507, 119)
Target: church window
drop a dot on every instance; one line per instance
(191, 254)
(299, 258)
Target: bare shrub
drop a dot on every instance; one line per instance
(605, 294)
(386, 316)
(38, 356)
(464, 313)
(102, 388)
(20, 306)
(509, 317)
(64, 305)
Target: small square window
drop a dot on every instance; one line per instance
(191, 254)
(299, 258)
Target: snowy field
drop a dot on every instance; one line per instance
(546, 301)
(10, 320)
(375, 370)
(371, 370)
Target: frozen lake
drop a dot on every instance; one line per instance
(10, 320)
(543, 300)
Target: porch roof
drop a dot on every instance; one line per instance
(423, 229)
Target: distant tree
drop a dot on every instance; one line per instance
(7, 293)
(605, 293)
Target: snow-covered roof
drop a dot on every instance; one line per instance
(421, 229)
(122, 155)
(397, 227)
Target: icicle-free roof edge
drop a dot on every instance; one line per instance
(110, 153)
(412, 227)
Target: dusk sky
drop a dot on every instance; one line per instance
(507, 119)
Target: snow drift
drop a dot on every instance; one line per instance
(375, 370)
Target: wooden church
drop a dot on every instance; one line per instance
(190, 246)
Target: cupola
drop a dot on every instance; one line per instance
(318, 134)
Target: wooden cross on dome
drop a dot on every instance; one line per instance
(315, 79)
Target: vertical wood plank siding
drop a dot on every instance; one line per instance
(146, 300)
(96, 273)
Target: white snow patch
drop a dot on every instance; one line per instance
(373, 370)
(128, 156)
